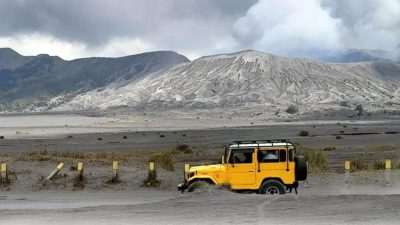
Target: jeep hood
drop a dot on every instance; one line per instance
(206, 168)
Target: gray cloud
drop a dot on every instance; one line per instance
(200, 27)
(173, 24)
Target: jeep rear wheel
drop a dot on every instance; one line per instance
(300, 168)
(272, 187)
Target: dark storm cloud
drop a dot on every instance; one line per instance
(198, 27)
(95, 22)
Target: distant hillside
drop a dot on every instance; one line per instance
(251, 78)
(27, 81)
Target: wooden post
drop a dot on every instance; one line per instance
(388, 173)
(55, 171)
(4, 175)
(151, 167)
(186, 171)
(347, 167)
(80, 169)
(388, 164)
(115, 170)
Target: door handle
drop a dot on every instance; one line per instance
(250, 171)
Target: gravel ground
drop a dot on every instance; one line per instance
(361, 198)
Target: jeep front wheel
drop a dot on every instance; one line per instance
(198, 185)
(272, 187)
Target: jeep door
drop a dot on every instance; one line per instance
(241, 168)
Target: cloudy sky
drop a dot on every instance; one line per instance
(76, 28)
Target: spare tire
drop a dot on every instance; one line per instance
(300, 168)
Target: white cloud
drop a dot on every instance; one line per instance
(284, 26)
(35, 44)
(124, 46)
(367, 24)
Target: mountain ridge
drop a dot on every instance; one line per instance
(249, 78)
(31, 81)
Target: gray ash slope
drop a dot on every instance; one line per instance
(31, 81)
(251, 78)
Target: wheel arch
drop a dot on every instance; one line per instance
(206, 179)
(271, 178)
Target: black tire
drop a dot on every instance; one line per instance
(272, 187)
(197, 185)
(300, 168)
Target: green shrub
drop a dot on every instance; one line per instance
(359, 109)
(1, 137)
(292, 109)
(184, 149)
(339, 137)
(303, 133)
(329, 148)
(344, 103)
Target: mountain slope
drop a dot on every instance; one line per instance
(34, 80)
(250, 78)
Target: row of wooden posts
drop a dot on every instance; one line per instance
(388, 165)
(115, 166)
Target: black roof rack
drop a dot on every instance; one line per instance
(262, 141)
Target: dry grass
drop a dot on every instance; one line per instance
(359, 164)
(225, 186)
(95, 157)
(317, 160)
(378, 148)
(151, 180)
(163, 160)
(184, 149)
(79, 182)
(379, 164)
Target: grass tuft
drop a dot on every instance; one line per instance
(184, 148)
(379, 164)
(329, 148)
(151, 180)
(317, 160)
(163, 160)
(357, 165)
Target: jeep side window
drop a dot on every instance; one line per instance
(241, 156)
(291, 155)
(268, 156)
(282, 155)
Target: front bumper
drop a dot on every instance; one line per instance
(183, 186)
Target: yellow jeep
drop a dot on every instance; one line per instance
(267, 166)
